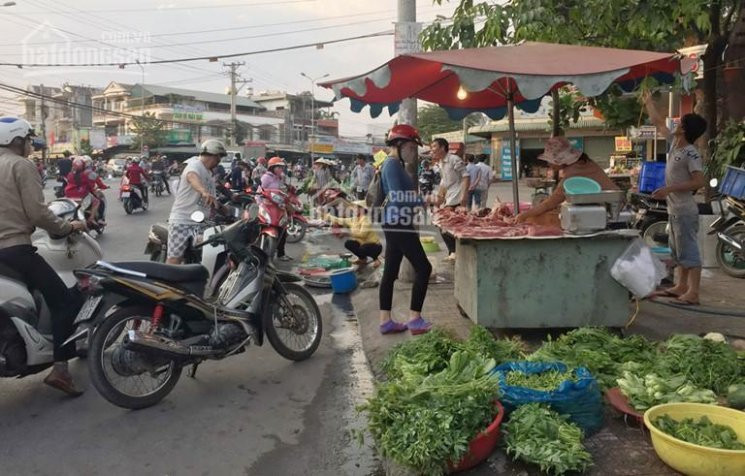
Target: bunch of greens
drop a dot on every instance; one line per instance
(432, 351)
(423, 355)
(644, 393)
(536, 434)
(426, 421)
(546, 381)
(702, 432)
(481, 341)
(599, 351)
(706, 363)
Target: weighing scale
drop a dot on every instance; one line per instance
(587, 213)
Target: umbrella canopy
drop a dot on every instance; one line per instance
(484, 79)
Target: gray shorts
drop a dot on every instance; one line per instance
(684, 240)
(180, 236)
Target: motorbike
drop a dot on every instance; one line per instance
(59, 190)
(156, 185)
(26, 345)
(729, 229)
(298, 223)
(651, 219)
(160, 323)
(131, 197)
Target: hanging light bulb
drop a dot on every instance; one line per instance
(462, 93)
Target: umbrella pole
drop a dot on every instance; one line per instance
(513, 153)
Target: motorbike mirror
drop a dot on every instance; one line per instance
(198, 216)
(713, 183)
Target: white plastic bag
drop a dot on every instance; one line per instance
(638, 269)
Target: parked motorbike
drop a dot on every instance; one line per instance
(730, 231)
(26, 345)
(156, 185)
(651, 219)
(131, 198)
(161, 323)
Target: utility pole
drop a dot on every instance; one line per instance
(142, 108)
(43, 125)
(235, 79)
(313, 82)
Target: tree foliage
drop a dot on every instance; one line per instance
(656, 25)
(149, 130)
(433, 119)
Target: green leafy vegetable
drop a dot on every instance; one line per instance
(538, 435)
(546, 381)
(644, 393)
(705, 363)
(426, 421)
(481, 341)
(702, 432)
(599, 351)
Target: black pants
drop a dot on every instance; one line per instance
(281, 243)
(360, 195)
(63, 303)
(449, 241)
(143, 189)
(368, 250)
(400, 242)
(164, 178)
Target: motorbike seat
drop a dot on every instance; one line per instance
(161, 231)
(187, 273)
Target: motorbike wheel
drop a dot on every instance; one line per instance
(730, 260)
(294, 333)
(296, 231)
(106, 345)
(653, 233)
(128, 206)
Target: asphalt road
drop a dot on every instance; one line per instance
(252, 414)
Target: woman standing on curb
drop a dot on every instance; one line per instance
(401, 237)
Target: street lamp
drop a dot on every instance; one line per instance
(313, 110)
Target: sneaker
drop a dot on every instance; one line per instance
(392, 327)
(451, 257)
(419, 326)
(285, 258)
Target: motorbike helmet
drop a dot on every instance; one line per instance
(213, 147)
(401, 132)
(78, 164)
(12, 128)
(276, 162)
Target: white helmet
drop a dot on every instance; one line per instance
(12, 127)
(87, 159)
(213, 147)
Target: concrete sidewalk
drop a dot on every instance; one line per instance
(618, 449)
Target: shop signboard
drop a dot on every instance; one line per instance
(179, 136)
(623, 144)
(506, 159)
(182, 112)
(647, 132)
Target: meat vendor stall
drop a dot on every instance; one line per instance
(522, 276)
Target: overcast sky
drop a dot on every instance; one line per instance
(97, 29)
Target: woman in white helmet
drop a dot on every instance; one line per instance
(23, 210)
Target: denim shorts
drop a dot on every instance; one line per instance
(684, 240)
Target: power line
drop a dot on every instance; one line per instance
(170, 9)
(212, 58)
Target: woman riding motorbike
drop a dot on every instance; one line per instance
(81, 182)
(273, 179)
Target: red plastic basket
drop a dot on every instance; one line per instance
(482, 445)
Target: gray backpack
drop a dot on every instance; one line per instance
(375, 195)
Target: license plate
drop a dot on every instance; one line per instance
(125, 194)
(90, 306)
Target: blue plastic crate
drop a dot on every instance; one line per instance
(652, 176)
(733, 183)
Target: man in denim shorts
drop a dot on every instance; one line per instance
(683, 177)
(196, 192)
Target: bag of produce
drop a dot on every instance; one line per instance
(571, 392)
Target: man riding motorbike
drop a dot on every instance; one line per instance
(81, 182)
(273, 179)
(259, 171)
(159, 166)
(100, 186)
(24, 209)
(196, 191)
(136, 176)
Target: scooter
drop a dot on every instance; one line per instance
(26, 345)
(651, 219)
(157, 186)
(131, 198)
(162, 324)
(730, 231)
(298, 223)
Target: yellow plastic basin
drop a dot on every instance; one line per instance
(696, 460)
(429, 244)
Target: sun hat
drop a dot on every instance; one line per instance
(559, 151)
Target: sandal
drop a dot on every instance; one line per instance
(419, 326)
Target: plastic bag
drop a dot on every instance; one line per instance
(581, 401)
(638, 269)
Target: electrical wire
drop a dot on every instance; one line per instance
(196, 7)
(212, 58)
